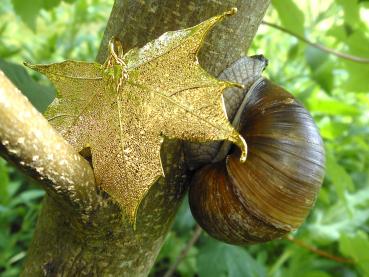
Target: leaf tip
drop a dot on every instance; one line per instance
(29, 65)
(132, 216)
(231, 12)
(241, 143)
(35, 67)
(133, 222)
(216, 19)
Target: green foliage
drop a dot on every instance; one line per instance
(39, 95)
(290, 15)
(19, 206)
(29, 10)
(58, 31)
(335, 91)
(220, 259)
(321, 66)
(356, 246)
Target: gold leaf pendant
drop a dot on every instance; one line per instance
(158, 91)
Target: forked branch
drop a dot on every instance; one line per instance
(29, 141)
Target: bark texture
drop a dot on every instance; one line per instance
(137, 22)
(81, 231)
(27, 139)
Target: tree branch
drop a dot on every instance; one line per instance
(29, 141)
(319, 46)
(103, 243)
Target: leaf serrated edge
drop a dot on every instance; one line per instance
(235, 137)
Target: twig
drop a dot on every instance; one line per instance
(184, 252)
(319, 46)
(319, 252)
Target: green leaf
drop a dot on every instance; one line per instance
(49, 4)
(220, 259)
(292, 18)
(314, 274)
(4, 182)
(339, 32)
(171, 247)
(39, 95)
(28, 11)
(211, 260)
(357, 247)
(188, 266)
(240, 263)
(332, 130)
(358, 73)
(293, 52)
(329, 223)
(321, 67)
(331, 106)
(14, 187)
(184, 221)
(338, 175)
(357, 42)
(324, 76)
(351, 11)
(28, 196)
(315, 58)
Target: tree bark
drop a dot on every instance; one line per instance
(80, 230)
(137, 22)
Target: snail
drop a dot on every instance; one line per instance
(272, 193)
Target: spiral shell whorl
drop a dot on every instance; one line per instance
(273, 191)
(216, 208)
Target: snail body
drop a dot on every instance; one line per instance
(273, 191)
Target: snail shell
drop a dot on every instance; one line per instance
(273, 191)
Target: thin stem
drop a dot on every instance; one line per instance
(280, 261)
(319, 252)
(195, 236)
(319, 46)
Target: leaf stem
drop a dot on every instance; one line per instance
(319, 46)
(195, 236)
(319, 251)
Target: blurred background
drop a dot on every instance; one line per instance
(333, 241)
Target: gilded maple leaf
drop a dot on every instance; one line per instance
(123, 109)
